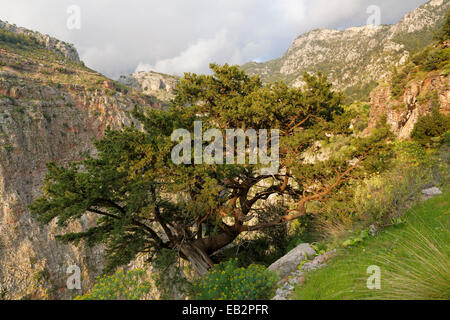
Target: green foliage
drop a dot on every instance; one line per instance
(436, 59)
(410, 153)
(426, 59)
(267, 245)
(119, 286)
(431, 126)
(415, 41)
(400, 80)
(168, 276)
(359, 92)
(444, 33)
(378, 198)
(412, 256)
(14, 38)
(356, 239)
(420, 57)
(146, 203)
(227, 281)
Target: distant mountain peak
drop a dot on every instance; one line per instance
(356, 58)
(153, 83)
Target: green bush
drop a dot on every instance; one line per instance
(444, 33)
(168, 276)
(431, 126)
(9, 37)
(119, 286)
(383, 197)
(227, 281)
(378, 198)
(437, 59)
(400, 80)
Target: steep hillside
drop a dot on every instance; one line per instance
(412, 254)
(418, 99)
(416, 89)
(50, 43)
(357, 58)
(51, 107)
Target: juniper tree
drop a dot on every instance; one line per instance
(145, 203)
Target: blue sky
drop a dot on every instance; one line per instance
(175, 36)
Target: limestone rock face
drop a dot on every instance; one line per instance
(50, 43)
(50, 111)
(357, 58)
(290, 262)
(152, 83)
(419, 97)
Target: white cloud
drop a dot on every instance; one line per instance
(176, 36)
(194, 57)
(222, 48)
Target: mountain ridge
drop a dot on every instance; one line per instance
(66, 49)
(355, 59)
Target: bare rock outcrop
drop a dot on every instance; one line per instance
(159, 85)
(418, 99)
(49, 112)
(50, 43)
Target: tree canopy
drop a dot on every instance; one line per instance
(145, 202)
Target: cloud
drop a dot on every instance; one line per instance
(194, 57)
(220, 49)
(177, 36)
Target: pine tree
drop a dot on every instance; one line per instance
(145, 203)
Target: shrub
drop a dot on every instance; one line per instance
(227, 281)
(169, 278)
(378, 198)
(384, 197)
(444, 33)
(437, 59)
(14, 38)
(400, 79)
(420, 57)
(430, 126)
(119, 286)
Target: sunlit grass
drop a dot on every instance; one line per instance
(413, 257)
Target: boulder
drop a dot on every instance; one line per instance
(431, 192)
(290, 262)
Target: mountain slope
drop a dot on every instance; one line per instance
(357, 58)
(412, 256)
(50, 43)
(51, 107)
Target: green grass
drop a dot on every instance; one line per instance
(413, 256)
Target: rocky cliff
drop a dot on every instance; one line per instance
(357, 58)
(418, 100)
(51, 107)
(159, 85)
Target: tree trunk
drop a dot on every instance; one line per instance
(198, 258)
